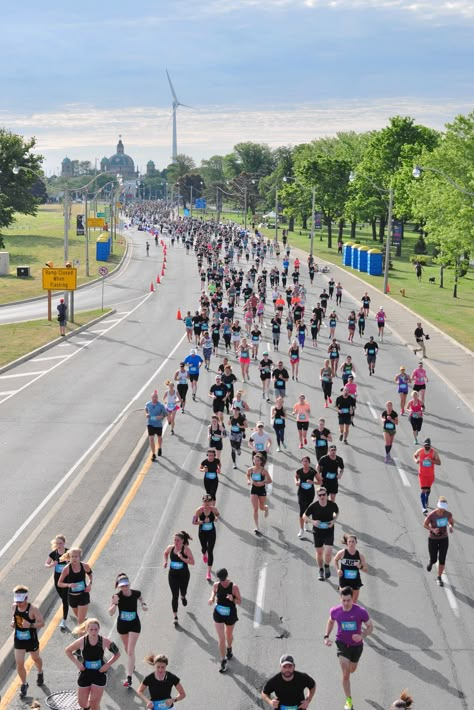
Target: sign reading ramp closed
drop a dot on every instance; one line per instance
(61, 279)
(95, 221)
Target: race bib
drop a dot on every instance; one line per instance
(331, 476)
(58, 568)
(176, 564)
(210, 474)
(207, 526)
(350, 574)
(77, 588)
(223, 610)
(349, 625)
(306, 485)
(23, 635)
(92, 665)
(128, 615)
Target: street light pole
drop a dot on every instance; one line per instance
(276, 214)
(389, 237)
(191, 204)
(313, 226)
(245, 207)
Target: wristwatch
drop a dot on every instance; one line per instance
(326, 636)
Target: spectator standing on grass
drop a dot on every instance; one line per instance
(62, 316)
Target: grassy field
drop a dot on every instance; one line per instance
(31, 241)
(17, 339)
(452, 315)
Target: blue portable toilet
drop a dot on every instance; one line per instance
(363, 259)
(374, 262)
(347, 254)
(355, 256)
(102, 247)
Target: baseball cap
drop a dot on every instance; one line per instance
(287, 659)
(260, 424)
(265, 352)
(427, 441)
(442, 503)
(192, 351)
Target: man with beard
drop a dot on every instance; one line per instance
(288, 686)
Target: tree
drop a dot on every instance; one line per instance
(255, 158)
(184, 185)
(39, 192)
(19, 170)
(183, 165)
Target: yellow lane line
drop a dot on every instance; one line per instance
(14, 687)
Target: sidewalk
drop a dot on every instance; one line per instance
(447, 358)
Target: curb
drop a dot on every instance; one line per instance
(47, 597)
(84, 285)
(52, 343)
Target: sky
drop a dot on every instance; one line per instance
(283, 72)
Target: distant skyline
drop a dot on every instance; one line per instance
(275, 71)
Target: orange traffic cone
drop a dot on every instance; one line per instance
(164, 259)
(152, 288)
(162, 273)
(178, 315)
(158, 279)
(164, 265)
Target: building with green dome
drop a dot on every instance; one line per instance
(119, 163)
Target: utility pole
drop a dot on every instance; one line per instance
(389, 237)
(245, 207)
(276, 214)
(312, 222)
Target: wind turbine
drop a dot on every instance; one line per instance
(176, 103)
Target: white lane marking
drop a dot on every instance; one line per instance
(69, 355)
(123, 313)
(22, 374)
(372, 411)
(262, 581)
(104, 330)
(115, 320)
(402, 473)
(51, 357)
(450, 595)
(270, 485)
(80, 460)
(2, 394)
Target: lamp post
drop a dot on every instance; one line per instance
(390, 193)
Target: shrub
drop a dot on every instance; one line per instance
(423, 260)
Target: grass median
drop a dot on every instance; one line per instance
(32, 241)
(18, 339)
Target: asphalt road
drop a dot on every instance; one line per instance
(423, 635)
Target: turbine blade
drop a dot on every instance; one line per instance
(186, 106)
(172, 87)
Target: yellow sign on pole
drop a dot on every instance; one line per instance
(95, 221)
(60, 279)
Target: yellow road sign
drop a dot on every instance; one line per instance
(59, 279)
(95, 221)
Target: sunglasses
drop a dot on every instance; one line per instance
(322, 495)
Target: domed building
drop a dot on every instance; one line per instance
(67, 168)
(119, 163)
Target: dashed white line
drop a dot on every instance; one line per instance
(403, 475)
(450, 595)
(262, 581)
(22, 374)
(372, 411)
(51, 357)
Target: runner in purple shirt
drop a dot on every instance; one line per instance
(353, 625)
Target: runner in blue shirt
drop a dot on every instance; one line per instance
(155, 413)
(193, 362)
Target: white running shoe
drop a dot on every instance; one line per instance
(300, 532)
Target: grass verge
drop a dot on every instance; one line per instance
(18, 339)
(32, 241)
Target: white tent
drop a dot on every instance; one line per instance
(271, 214)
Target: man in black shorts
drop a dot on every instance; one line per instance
(371, 349)
(353, 625)
(280, 377)
(345, 405)
(288, 686)
(329, 472)
(155, 413)
(218, 393)
(265, 368)
(321, 437)
(27, 619)
(322, 514)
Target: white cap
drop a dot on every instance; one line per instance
(443, 504)
(123, 582)
(20, 596)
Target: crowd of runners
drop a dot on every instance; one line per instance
(253, 290)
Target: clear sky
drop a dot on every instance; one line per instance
(76, 75)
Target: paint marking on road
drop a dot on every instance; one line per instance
(450, 595)
(22, 374)
(51, 357)
(403, 475)
(69, 355)
(123, 313)
(104, 330)
(372, 411)
(80, 460)
(270, 485)
(4, 394)
(259, 599)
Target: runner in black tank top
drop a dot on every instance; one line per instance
(225, 594)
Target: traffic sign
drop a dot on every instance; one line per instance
(103, 271)
(61, 279)
(95, 221)
(200, 203)
(100, 214)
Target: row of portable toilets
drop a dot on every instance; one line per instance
(362, 258)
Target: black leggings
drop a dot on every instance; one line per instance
(280, 434)
(178, 581)
(327, 389)
(211, 484)
(63, 593)
(182, 391)
(438, 550)
(207, 538)
(235, 446)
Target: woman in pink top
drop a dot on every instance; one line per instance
(351, 387)
(302, 410)
(420, 378)
(380, 318)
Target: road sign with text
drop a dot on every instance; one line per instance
(95, 222)
(60, 279)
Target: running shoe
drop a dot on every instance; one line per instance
(386, 459)
(223, 666)
(204, 559)
(326, 405)
(345, 441)
(175, 621)
(62, 624)
(234, 466)
(341, 437)
(128, 682)
(23, 689)
(330, 400)
(348, 704)
(184, 601)
(284, 445)
(229, 653)
(327, 571)
(439, 582)
(416, 441)
(305, 441)
(159, 452)
(208, 576)
(256, 531)
(301, 446)
(40, 679)
(425, 511)
(429, 566)
(300, 532)
(321, 576)
(172, 431)
(268, 399)
(153, 457)
(278, 449)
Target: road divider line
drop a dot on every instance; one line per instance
(73, 468)
(51, 357)
(403, 475)
(260, 597)
(372, 411)
(23, 374)
(450, 595)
